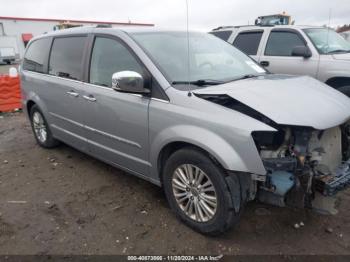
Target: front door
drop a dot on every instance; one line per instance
(278, 59)
(117, 123)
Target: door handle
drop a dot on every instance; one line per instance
(72, 93)
(90, 98)
(265, 63)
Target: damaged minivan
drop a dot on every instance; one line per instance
(191, 113)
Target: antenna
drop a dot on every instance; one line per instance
(188, 52)
(329, 25)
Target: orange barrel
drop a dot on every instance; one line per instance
(10, 93)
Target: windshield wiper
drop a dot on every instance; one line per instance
(243, 77)
(338, 51)
(200, 82)
(205, 82)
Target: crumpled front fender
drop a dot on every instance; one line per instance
(245, 158)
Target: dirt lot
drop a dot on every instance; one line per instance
(61, 201)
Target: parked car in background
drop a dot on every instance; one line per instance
(8, 49)
(215, 130)
(297, 50)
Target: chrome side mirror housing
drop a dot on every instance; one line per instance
(129, 82)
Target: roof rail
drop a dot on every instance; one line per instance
(222, 27)
(239, 26)
(266, 25)
(104, 26)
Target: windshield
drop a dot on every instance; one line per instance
(327, 41)
(212, 60)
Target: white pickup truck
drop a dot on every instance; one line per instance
(296, 50)
(8, 49)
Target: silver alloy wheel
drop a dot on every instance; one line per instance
(39, 127)
(194, 193)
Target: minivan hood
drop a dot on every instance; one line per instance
(345, 56)
(288, 100)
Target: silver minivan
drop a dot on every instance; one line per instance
(191, 113)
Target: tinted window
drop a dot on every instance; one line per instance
(248, 42)
(66, 57)
(36, 55)
(282, 43)
(108, 57)
(224, 35)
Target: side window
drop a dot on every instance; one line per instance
(108, 57)
(37, 55)
(282, 43)
(224, 35)
(66, 57)
(248, 42)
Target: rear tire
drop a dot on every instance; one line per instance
(223, 215)
(41, 129)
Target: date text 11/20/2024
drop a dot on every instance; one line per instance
(174, 258)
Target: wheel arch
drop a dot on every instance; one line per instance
(173, 147)
(338, 81)
(29, 105)
(244, 158)
(34, 99)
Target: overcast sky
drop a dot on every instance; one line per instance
(203, 15)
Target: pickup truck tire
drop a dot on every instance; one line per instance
(186, 198)
(345, 90)
(41, 129)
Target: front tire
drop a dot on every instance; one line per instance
(41, 129)
(198, 193)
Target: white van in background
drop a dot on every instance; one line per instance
(9, 51)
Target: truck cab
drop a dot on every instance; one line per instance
(297, 50)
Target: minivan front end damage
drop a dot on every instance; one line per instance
(301, 161)
(309, 152)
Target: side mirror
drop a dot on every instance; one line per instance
(129, 82)
(302, 51)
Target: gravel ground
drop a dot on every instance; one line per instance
(61, 201)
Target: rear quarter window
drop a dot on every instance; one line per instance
(224, 35)
(248, 42)
(36, 55)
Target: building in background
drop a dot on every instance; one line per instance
(21, 30)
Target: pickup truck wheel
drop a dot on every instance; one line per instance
(41, 129)
(198, 193)
(345, 90)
